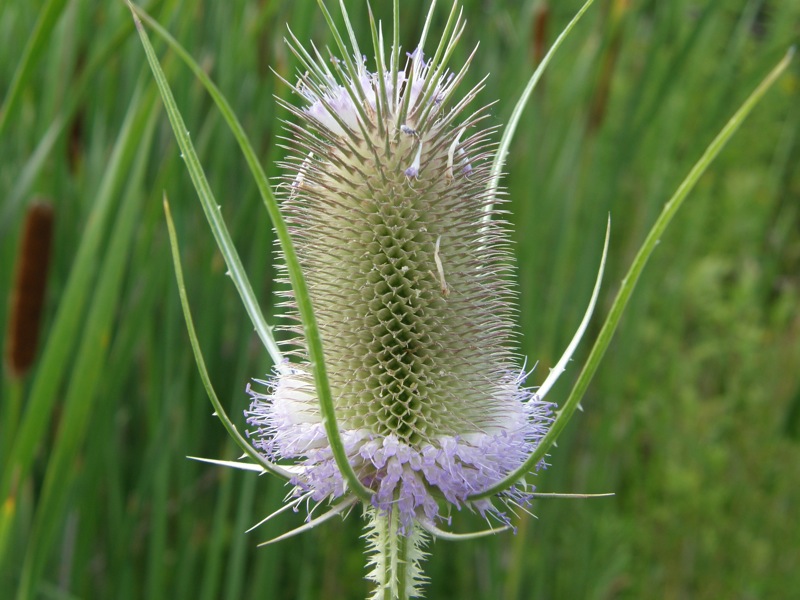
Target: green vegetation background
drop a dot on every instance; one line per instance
(693, 419)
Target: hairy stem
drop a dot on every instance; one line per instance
(394, 556)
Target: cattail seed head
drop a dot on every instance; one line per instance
(387, 187)
(29, 288)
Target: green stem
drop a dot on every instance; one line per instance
(394, 556)
(401, 558)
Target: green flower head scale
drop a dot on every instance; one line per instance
(387, 194)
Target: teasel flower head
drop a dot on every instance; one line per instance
(387, 195)
(392, 201)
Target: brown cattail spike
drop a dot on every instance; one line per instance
(29, 289)
(541, 18)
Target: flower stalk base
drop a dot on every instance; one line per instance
(395, 556)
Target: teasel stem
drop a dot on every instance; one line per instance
(395, 557)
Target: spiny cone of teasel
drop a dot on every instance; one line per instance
(387, 185)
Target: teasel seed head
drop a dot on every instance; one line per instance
(387, 187)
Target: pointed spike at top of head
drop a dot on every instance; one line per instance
(353, 40)
(427, 25)
(443, 51)
(352, 81)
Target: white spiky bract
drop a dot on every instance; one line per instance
(387, 187)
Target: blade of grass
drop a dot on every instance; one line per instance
(89, 364)
(516, 114)
(312, 336)
(48, 17)
(157, 567)
(236, 568)
(632, 277)
(215, 549)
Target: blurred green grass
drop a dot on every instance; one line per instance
(693, 419)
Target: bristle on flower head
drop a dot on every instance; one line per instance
(387, 187)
